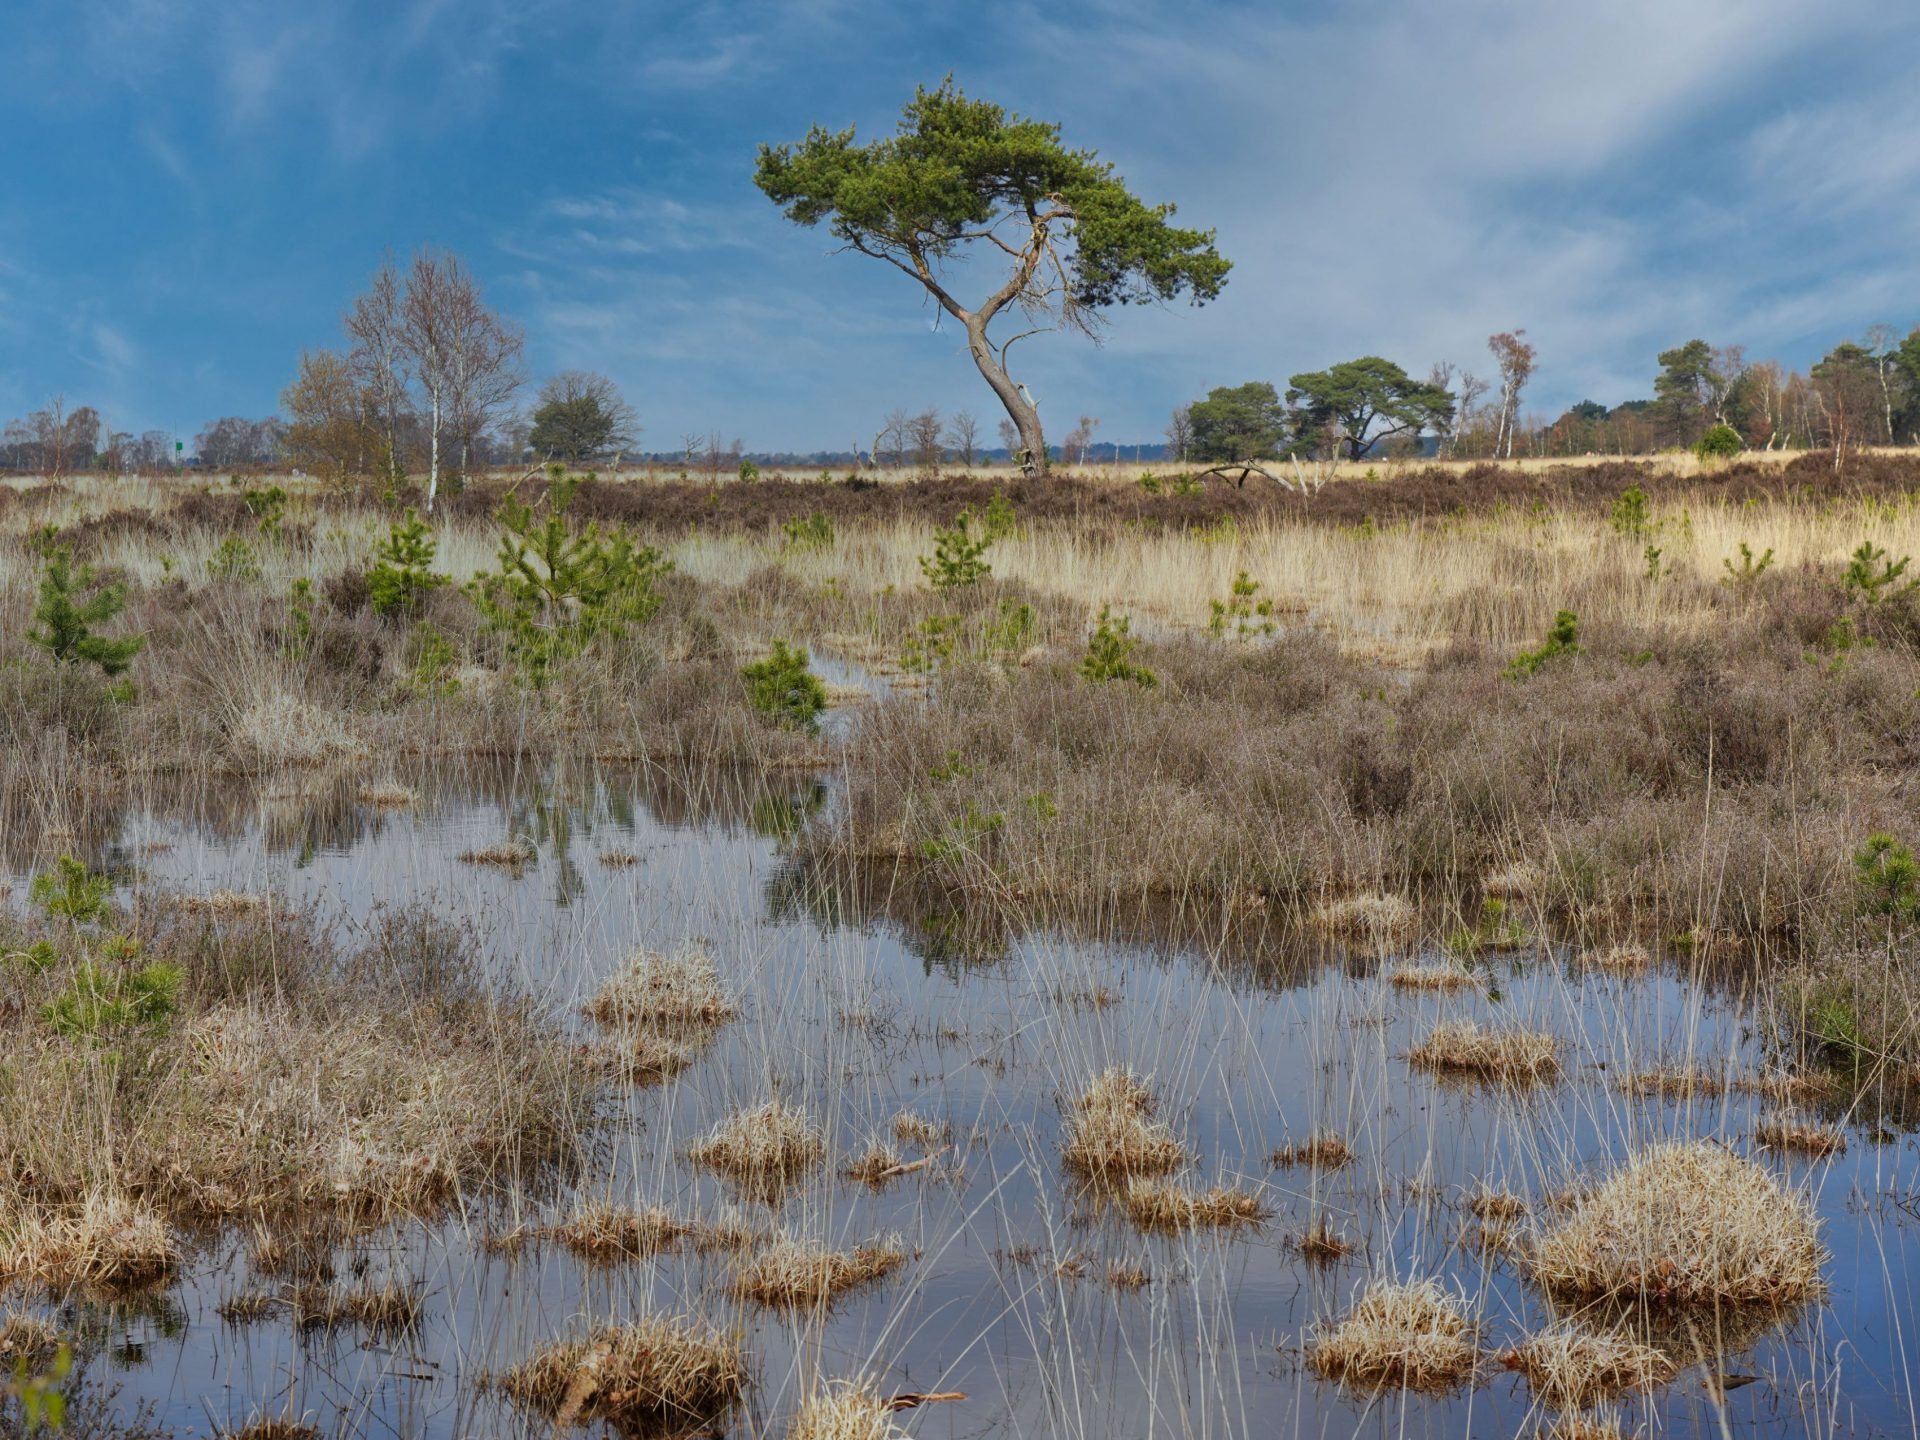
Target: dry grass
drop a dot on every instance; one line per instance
(1585, 1427)
(1519, 881)
(1414, 1337)
(25, 1336)
(1572, 1368)
(652, 988)
(1321, 1244)
(1127, 1276)
(1322, 1150)
(282, 729)
(1111, 1131)
(1686, 1223)
(1673, 1082)
(274, 1427)
(387, 1308)
(110, 1240)
(764, 1149)
(219, 902)
(1440, 977)
(645, 1056)
(512, 855)
(1793, 1135)
(1497, 1206)
(657, 1373)
(388, 795)
(874, 1167)
(911, 1129)
(845, 1411)
(1372, 917)
(1156, 1203)
(619, 859)
(606, 1233)
(791, 1274)
(1622, 959)
(1508, 1054)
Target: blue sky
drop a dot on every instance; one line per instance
(193, 190)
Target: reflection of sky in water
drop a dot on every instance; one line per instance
(861, 1023)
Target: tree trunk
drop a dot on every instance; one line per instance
(433, 470)
(1020, 410)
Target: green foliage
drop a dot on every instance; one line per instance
(1109, 653)
(576, 427)
(1366, 401)
(268, 507)
(1239, 422)
(1631, 516)
(71, 605)
(1150, 482)
(1719, 442)
(956, 167)
(783, 688)
(1495, 929)
(1871, 578)
(1007, 631)
(71, 891)
(1240, 614)
(299, 636)
(106, 999)
(1000, 522)
(749, 471)
(1563, 639)
(1747, 573)
(42, 1402)
(433, 661)
(1888, 878)
(558, 589)
(813, 532)
(36, 959)
(958, 557)
(402, 577)
(931, 645)
(234, 560)
(963, 833)
(1652, 556)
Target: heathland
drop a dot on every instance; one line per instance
(1577, 798)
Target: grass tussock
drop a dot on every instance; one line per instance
(1322, 1150)
(619, 859)
(1793, 1135)
(1321, 1244)
(1412, 1337)
(876, 1165)
(1573, 1368)
(654, 988)
(1127, 1276)
(1622, 959)
(1507, 1054)
(1111, 1131)
(1685, 1223)
(845, 1411)
(1440, 977)
(388, 795)
(1158, 1203)
(1498, 1207)
(220, 902)
(645, 1056)
(1370, 917)
(911, 1129)
(656, 1374)
(1673, 1082)
(274, 1427)
(110, 1240)
(763, 1149)
(607, 1233)
(791, 1274)
(26, 1337)
(512, 855)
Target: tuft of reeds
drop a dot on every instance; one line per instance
(1111, 1131)
(111, 1240)
(1622, 959)
(1440, 977)
(1573, 1368)
(1321, 1244)
(1673, 1082)
(1519, 881)
(656, 1373)
(1507, 1054)
(1158, 1203)
(763, 1149)
(607, 1233)
(220, 902)
(1371, 916)
(1128, 1276)
(274, 1427)
(911, 1129)
(847, 1410)
(654, 988)
(619, 859)
(1792, 1135)
(1406, 1336)
(791, 1274)
(26, 1337)
(1686, 1223)
(387, 795)
(1496, 1206)
(512, 855)
(1322, 1150)
(875, 1166)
